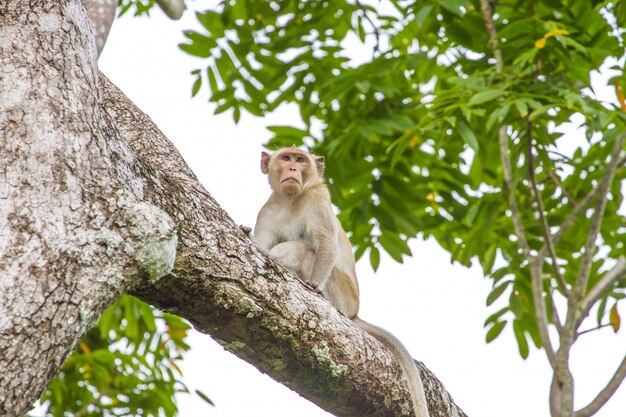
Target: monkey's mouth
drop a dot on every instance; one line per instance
(290, 179)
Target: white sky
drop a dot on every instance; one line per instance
(435, 308)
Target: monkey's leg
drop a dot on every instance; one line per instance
(296, 256)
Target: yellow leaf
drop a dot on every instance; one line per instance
(540, 43)
(177, 368)
(614, 318)
(555, 32)
(414, 141)
(85, 348)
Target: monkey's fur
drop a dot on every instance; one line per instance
(299, 230)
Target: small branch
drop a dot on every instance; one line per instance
(606, 393)
(601, 288)
(596, 222)
(507, 168)
(540, 309)
(557, 182)
(593, 329)
(507, 172)
(541, 209)
(374, 27)
(485, 8)
(569, 221)
(620, 94)
(559, 154)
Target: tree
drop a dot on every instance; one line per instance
(96, 203)
(454, 129)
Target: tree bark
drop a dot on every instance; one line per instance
(94, 199)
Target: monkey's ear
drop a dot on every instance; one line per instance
(265, 161)
(319, 164)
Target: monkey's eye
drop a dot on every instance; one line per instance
(300, 159)
(286, 158)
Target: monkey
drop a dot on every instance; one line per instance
(298, 229)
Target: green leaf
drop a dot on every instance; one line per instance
(522, 343)
(451, 5)
(204, 397)
(394, 245)
(363, 86)
(422, 14)
(196, 86)
(495, 331)
(485, 96)
(488, 258)
(497, 292)
(374, 258)
(200, 45)
(212, 21)
(495, 316)
(467, 135)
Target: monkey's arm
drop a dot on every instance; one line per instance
(263, 235)
(324, 235)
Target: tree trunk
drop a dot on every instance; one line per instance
(93, 199)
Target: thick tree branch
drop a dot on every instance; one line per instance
(229, 289)
(604, 395)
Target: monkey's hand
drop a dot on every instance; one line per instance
(247, 230)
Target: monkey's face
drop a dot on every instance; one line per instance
(290, 170)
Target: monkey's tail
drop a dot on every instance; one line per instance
(406, 363)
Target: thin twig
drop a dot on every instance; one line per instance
(558, 183)
(606, 393)
(374, 27)
(593, 329)
(541, 210)
(571, 219)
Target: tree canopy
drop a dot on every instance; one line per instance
(412, 133)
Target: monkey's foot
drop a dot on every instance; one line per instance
(314, 287)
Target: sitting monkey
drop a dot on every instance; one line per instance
(299, 230)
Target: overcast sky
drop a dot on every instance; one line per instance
(437, 309)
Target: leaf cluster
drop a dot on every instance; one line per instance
(410, 132)
(125, 366)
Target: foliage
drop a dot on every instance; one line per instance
(411, 133)
(140, 7)
(124, 366)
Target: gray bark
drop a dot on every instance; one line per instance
(93, 199)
